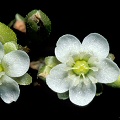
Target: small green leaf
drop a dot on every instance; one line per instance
(11, 23)
(46, 21)
(6, 34)
(19, 17)
(26, 79)
(63, 96)
(43, 72)
(51, 61)
(31, 13)
(10, 46)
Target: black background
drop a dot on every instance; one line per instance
(74, 17)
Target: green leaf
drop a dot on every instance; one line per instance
(11, 23)
(63, 96)
(6, 34)
(46, 21)
(31, 13)
(19, 17)
(10, 46)
(51, 61)
(26, 79)
(43, 71)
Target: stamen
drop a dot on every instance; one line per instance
(94, 68)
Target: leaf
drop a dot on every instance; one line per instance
(10, 46)
(46, 21)
(19, 17)
(6, 34)
(26, 79)
(43, 71)
(11, 23)
(51, 61)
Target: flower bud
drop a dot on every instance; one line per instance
(44, 68)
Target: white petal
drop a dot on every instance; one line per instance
(1, 51)
(82, 94)
(67, 45)
(108, 71)
(97, 44)
(57, 79)
(9, 89)
(93, 79)
(16, 63)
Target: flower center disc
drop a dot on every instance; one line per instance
(80, 67)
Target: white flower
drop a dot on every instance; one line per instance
(82, 66)
(12, 64)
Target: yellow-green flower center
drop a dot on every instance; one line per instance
(1, 68)
(80, 67)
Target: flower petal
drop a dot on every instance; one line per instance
(16, 63)
(108, 72)
(82, 94)
(9, 89)
(57, 79)
(1, 51)
(97, 44)
(67, 45)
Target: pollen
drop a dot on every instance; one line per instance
(80, 67)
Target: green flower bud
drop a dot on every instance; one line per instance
(20, 24)
(115, 84)
(18, 17)
(44, 68)
(36, 18)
